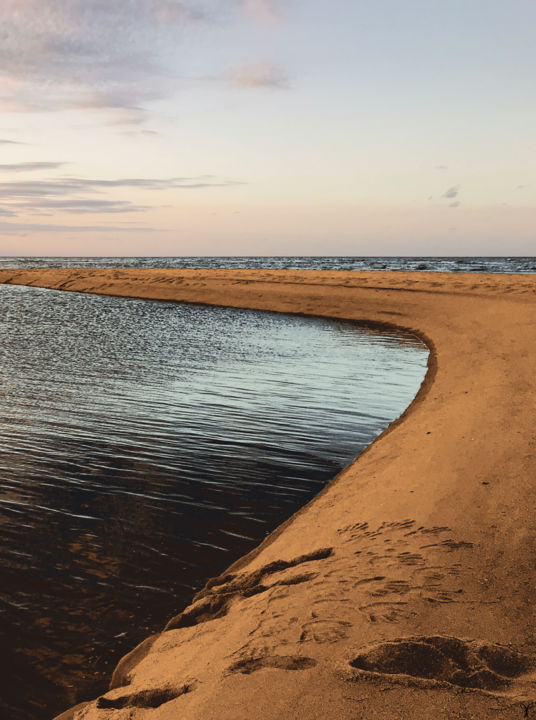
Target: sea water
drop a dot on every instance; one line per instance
(512, 264)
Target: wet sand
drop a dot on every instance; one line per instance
(406, 588)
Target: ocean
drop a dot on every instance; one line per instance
(429, 264)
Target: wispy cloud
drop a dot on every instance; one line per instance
(103, 54)
(30, 166)
(59, 54)
(136, 133)
(441, 167)
(263, 10)
(71, 185)
(452, 192)
(16, 228)
(81, 206)
(76, 196)
(3, 141)
(259, 75)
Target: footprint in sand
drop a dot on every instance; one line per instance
(466, 663)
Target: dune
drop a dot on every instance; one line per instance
(405, 589)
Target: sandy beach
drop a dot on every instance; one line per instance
(405, 589)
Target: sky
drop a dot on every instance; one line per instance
(267, 127)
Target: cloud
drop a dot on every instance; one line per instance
(92, 54)
(522, 187)
(136, 133)
(441, 167)
(10, 228)
(452, 192)
(98, 54)
(3, 141)
(102, 55)
(260, 75)
(72, 185)
(77, 196)
(454, 204)
(83, 206)
(263, 10)
(30, 166)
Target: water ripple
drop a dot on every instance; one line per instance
(143, 447)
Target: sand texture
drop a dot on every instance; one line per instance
(406, 589)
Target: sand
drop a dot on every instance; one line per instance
(406, 588)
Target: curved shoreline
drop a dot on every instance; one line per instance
(405, 588)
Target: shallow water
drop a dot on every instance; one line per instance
(143, 447)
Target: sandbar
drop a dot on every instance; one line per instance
(406, 588)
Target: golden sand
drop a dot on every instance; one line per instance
(406, 588)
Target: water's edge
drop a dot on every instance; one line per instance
(140, 651)
(417, 479)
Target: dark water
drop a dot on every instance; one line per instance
(430, 264)
(143, 447)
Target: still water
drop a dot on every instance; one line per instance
(144, 446)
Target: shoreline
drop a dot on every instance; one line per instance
(405, 587)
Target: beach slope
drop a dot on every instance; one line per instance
(405, 589)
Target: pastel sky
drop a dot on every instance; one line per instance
(267, 127)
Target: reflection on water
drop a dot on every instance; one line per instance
(143, 447)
